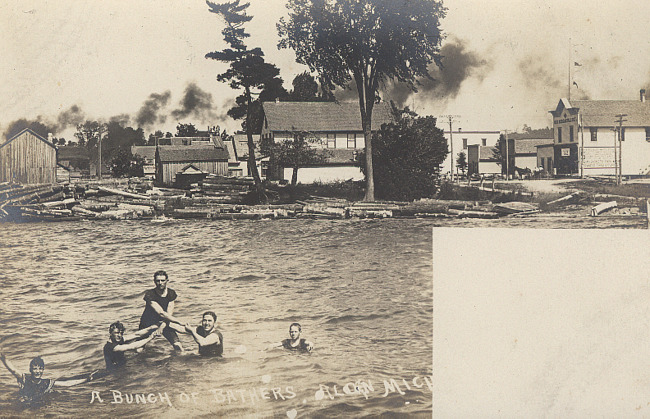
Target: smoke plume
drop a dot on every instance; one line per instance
(196, 103)
(70, 118)
(458, 64)
(149, 113)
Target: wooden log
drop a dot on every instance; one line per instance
(473, 214)
(82, 211)
(332, 211)
(605, 206)
(56, 204)
(371, 213)
(564, 198)
(121, 193)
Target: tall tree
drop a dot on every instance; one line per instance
(247, 71)
(365, 41)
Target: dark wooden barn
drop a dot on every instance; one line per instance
(28, 158)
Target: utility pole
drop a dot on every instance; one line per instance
(507, 157)
(620, 120)
(451, 142)
(100, 131)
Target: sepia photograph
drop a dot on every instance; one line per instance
(277, 208)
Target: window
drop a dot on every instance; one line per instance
(331, 140)
(352, 140)
(647, 134)
(484, 142)
(594, 134)
(571, 133)
(559, 134)
(464, 143)
(622, 134)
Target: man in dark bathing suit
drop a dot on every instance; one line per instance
(34, 387)
(160, 308)
(209, 339)
(295, 343)
(119, 343)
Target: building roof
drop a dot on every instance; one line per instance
(31, 132)
(190, 153)
(529, 145)
(321, 116)
(240, 143)
(602, 113)
(148, 152)
(73, 153)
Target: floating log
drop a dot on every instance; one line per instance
(372, 213)
(605, 206)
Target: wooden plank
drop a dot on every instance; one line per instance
(605, 206)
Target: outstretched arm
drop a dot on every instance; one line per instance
(167, 315)
(309, 345)
(211, 339)
(141, 332)
(136, 344)
(10, 366)
(62, 382)
(274, 345)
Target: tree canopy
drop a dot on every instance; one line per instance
(247, 70)
(365, 41)
(407, 157)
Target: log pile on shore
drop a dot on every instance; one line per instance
(221, 198)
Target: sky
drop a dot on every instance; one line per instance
(506, 62)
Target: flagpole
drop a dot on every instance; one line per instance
(569, 71)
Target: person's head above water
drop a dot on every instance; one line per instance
(160, 278)
(36, 367)
(209, 320)
(294, 330)
(116, 330)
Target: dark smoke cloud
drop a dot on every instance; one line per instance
(38, 125)
(70, 118)
(123, 120)
(196, 103)
(41, 125)
(149, 112)
(459, 64)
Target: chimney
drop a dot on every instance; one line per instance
(49, 137)
(642, 94)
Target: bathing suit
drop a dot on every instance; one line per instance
(150, 317)
(216, 349)
(32, 391)
(114, 360)
(302, 346)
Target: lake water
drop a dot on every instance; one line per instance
(362, 290)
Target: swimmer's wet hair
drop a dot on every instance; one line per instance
(296, 324)
(117, 325)
(211, 313)
(38, 361)
(160, 272)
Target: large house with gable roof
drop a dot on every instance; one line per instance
(335, 127)
(584, 137)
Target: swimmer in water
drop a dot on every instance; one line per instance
(33, 387)
(295, 342)
(209, 339)
(119, 343)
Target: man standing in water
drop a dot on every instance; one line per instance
(160, 308)
(118, 343)
(34, 387)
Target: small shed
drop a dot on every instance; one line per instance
(173, 160)
(28, 158)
